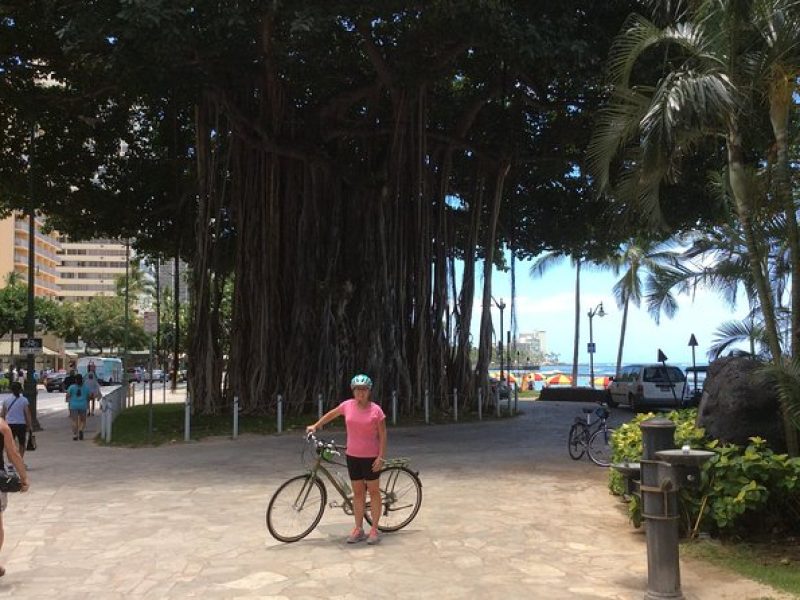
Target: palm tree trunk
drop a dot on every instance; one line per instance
(577, 322)
(622, 334)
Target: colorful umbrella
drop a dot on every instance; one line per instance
(559, 380)
(602, 381)
(537, 377)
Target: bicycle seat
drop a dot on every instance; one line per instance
(588, 411)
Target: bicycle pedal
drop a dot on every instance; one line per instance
(334, 504)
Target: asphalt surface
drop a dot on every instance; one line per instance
(505, 514)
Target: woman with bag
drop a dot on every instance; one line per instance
(17, 413)
(7, 444)
(92, 387)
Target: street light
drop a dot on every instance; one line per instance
(501, 305)
(30, 382)
(598, 311)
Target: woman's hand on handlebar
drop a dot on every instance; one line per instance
(311, 429)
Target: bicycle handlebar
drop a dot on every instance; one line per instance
(321, 445)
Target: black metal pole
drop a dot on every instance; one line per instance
(30, 382)
(591, 354)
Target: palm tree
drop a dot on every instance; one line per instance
(543, 264)
(706, 89)
(639, 256)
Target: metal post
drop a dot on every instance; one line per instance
(497, 401)
(150, 410)
(455, 404)
(427, 407)
(280, 413)
(30, 383)
(480, 404)
(591, 354)
(319, 405)
(235, 417)
(394, 407)
(516, 399)
(187, 417)
(659, 509)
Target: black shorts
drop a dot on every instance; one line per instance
(360, 469)
(19, 431)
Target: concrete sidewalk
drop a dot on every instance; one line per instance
(506, 514)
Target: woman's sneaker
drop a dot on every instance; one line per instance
(357, 535)
(374, 538)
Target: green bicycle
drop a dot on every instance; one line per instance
(297, 505)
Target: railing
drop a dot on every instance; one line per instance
(111, 405)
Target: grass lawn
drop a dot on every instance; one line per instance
(775, 565)
(130, 427)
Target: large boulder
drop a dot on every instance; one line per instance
(738, 404)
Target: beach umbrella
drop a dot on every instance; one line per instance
(559, 380)
(537, 377)
(602, 381)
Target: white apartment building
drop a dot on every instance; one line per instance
(90, 268)
(533, 343)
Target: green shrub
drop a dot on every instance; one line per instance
(740, 486)
(4, 384)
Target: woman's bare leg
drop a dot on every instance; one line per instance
(359, 501)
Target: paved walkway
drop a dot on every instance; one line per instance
(506, 514)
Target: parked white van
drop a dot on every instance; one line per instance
(648, 386)
(109, 370)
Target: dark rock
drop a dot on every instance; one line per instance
(738, 404)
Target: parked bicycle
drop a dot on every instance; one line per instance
(296, 507)
(591, 437)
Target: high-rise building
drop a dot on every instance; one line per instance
(533, 344)
(166, 274)
(14, 253)
(90, 268)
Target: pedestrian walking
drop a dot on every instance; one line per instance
(93, 387)
(366, 447)
(16, 411)
(7, 444)
(78, 399)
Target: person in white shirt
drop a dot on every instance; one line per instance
(93, 387)
(17, 413)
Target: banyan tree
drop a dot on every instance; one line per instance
(352, 171)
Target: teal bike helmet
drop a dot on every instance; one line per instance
(361, 380)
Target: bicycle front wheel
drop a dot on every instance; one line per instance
(296, 508)
(600, 447)
(401, 497)
(576, 444)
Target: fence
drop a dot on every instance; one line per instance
(111, 405)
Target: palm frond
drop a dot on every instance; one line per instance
(786, 377)
(735, 332)
(545, 262)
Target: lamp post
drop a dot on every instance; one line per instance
(596, 311)
(501, 305)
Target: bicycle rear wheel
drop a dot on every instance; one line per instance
(576, 443)
(296, 508)
(600, 447)
(401, 496)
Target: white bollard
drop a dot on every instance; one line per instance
(235, 417)
(394, 407)
(427, 407)
(455, 404)
(280, 413)
(319, 405)
(480, 404)
(187, 418)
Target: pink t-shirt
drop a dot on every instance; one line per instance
(362, 428)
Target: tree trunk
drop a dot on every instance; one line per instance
(622, 333)
(576, 346)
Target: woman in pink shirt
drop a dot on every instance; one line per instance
(366, 447)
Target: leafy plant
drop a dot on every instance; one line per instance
(738, 485)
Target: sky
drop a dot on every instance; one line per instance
(548, 303)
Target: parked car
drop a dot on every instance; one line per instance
(505, 392)
(55, 381)
(135, 374)
(696, 391)
(650, 386)
(158, 375)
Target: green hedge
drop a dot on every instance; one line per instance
(741, 488)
